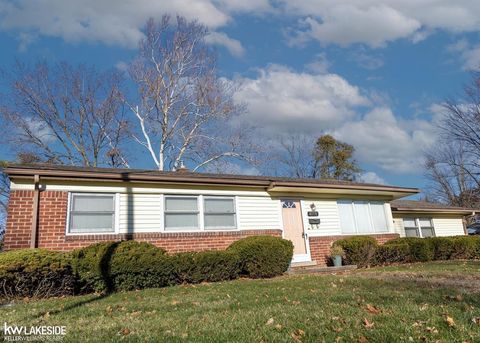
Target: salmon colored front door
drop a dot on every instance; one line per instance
(293, 229)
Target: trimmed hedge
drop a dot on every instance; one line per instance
(359, 250)
(207, 266)
(35, 273)
(392, 253)
(421, 249)
(121, 266)
(263, 256)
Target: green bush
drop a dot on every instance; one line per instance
(443, 247)
(119, 266)
(359, 250)
(35, 273)
(392, 253)
(263, 256)
(421, 249)
(206, 266)
(464, 247)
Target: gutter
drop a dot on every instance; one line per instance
(36, 203)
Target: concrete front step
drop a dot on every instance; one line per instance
(320, 269)
(302, 264)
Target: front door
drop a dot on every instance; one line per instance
(293, 229)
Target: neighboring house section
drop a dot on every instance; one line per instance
(62, 208)
(424, 219)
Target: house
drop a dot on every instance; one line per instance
(62, 208)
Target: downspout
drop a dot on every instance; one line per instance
(36, 201)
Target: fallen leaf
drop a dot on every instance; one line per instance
(125, 332)
(270, 321)
(476, 320)
(450, 321)
(295, 302)
(373, 309)
(338, 339)
(367, 324)
(278, 327)
(362, 339)
(432, 329)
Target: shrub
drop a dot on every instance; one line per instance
(263, 256)
(392, 253)
(443, 247)
(464, 247)
(109, 266)
(209, 266)
(359, 250)
(421, 249)
(35, 273)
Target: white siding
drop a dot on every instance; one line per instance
(448, 226)
(398, 226)
(329, 218)
(142, 212)
(259, 213)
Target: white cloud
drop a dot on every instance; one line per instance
(281, 99)
(394, 145)
(107, 21)
(232, 45)
(366, 60)
(372, 177)
(377, 22)
(469, 54)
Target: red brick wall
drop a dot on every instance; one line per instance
(320, 246)
(19, 220)
(52, 222)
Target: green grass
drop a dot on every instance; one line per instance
(287, 309)
(436, 268)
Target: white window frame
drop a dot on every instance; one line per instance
(220, 228)
(186, 228)
(418, 226)
(201, 214)
(116, 215)
(370, 219)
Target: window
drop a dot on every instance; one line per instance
(418, 227)
(219, 213)
(362, 217)
(91, 213)
(181, 213)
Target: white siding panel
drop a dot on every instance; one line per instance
(140, 211)
(398, 226)
(259, 213)
(448, 226)
(329, 218)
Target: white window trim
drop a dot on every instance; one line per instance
(116, 216)
(220, 228)
(370, 218)
(201, 218)
(418, 226)
(181, 229)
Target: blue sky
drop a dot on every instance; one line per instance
(372, 73)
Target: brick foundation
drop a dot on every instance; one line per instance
(52, 222)
(320, 246)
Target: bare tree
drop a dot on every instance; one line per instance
(184, 110)
(296, 156)
(453, 167)
(64, 114)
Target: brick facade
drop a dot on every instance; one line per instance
(320, 246)
(52, 222)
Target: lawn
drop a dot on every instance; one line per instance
(358, 307)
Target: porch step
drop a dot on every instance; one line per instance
(320, 269)
(302, 264)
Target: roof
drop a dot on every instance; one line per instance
(270, 183)
(425, 206)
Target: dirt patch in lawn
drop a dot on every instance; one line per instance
(465, 283)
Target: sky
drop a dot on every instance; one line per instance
(371, 73)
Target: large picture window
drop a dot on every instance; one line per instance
(91, 213)
(219, 213)
(418, 227)
(362, 217)
(181, 213)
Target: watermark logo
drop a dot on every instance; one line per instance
(44, 333)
